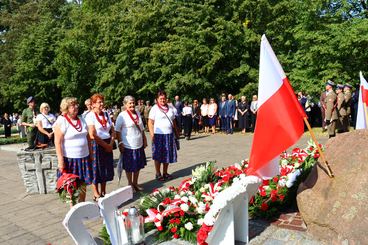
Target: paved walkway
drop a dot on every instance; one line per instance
(36, 219)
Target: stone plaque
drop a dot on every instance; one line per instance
(38, 170)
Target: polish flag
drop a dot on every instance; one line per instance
(279, 118)
(362, 120)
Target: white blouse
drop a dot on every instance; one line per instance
(204, 110)
(212, 109)
(187, 110)
(103, 133)
(46, 120)
(162, 124)
(75, 144)
(130, 134)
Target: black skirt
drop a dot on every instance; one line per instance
(43, 138)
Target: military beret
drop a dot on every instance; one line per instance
(348, 85)
(340, 86)
(331, 83)
(30, 99)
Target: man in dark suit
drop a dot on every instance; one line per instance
(222, 112)
(230, 113)
(179, 109)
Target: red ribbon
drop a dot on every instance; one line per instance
(135, 120)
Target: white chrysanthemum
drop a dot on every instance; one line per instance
(201, 209)
(208, 198)
(188, 226)
(202, 189)
(193, 200)
(284, 162)
(282, 182)
(218, 188)
(177, 196)
(237, 165)
(207, 186)
(184, 207)
(184, 199)
(183, 193)
(200, 221)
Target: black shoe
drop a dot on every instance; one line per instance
(29, 149)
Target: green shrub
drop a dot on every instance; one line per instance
(12, 140)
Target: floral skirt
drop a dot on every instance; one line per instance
(164, 148)
(102, 163)
(134, 160)
(79, 166)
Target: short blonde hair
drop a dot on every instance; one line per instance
(66, 102)
(43, 105)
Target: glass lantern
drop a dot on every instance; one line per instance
(134, 225)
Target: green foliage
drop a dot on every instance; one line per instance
(51, 49)
(12, 140)
(104, 236)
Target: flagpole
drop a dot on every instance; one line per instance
(329, 171)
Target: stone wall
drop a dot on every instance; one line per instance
(38, 170)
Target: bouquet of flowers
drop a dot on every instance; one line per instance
(69, 186)
(180, 212)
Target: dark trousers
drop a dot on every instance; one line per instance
(187, 121)
(179, 122)
(253, 118)
(195, 125)
(229, 125)
(223, 124)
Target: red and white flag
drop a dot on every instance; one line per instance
(279, 117)
(361, 122)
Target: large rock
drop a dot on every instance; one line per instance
(38, 170)
(337, 209)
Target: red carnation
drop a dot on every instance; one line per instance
(166, 201)
(264, 206)
(174, 229)
(281, 197)
(181, 213)
(176, 235)
(160, 228)
(266, 182)
(275, 179)
(262, 192)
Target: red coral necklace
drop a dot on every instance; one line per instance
(103, 122)
(77, 125)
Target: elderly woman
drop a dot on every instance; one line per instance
(45, 120)
(132, 141)
(162, 127)
(101, 133)
(243, 109)
(212, 115)
(71, 143)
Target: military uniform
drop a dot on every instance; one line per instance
(28, 116)
(331, 112)
(348, 109)
(341, 113)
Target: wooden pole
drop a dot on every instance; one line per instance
(329, 171)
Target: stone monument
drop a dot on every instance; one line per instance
(38, 170)
(335, 209)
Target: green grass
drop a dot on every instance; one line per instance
(13, 130)
(12, 140)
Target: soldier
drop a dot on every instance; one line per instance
(322, 103)
(331, 113)
(347, 93)
(28, 120)
(341, 109)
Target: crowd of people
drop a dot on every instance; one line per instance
(84, 141)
